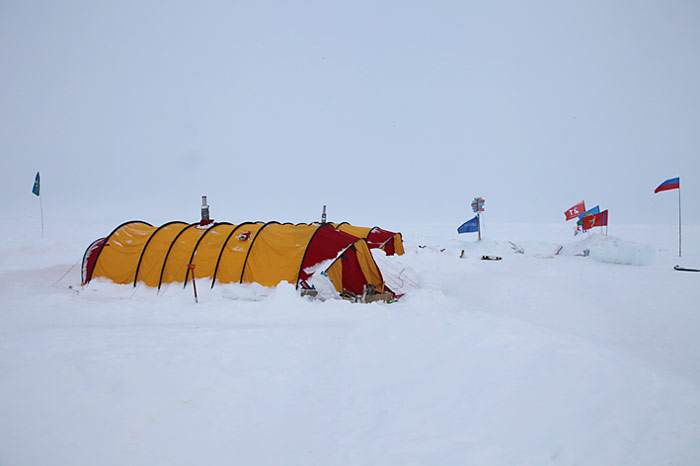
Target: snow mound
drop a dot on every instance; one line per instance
(489, 247)
(612, 250)
(323, 285)
(485, 247)
(608, 249)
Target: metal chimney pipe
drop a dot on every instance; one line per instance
(205, 209)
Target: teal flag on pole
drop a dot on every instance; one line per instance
(37, 184)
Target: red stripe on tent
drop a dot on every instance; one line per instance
(377, 238)
(90, 258)
(326, 244)
(353, 278)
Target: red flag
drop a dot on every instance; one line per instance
(601, 219)
(575, 211)
(588, 221)
(595, 220)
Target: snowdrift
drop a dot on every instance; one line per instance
(540, 358)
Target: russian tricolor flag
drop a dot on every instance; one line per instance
(673, 183)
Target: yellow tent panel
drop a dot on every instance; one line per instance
(153, 254)
(207, 251)
(178, 256)
(121, 252)
(276, 253)
(235, 252)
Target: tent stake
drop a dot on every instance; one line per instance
(194, 284)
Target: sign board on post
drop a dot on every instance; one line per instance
(478, 207)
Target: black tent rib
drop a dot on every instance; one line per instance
(107, 241)
(307, 250)
(143, 251)
(165, 261)
(342, 254)
(187, 272)
(252, 243)
(223, 247)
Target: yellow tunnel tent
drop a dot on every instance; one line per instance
(251, 252)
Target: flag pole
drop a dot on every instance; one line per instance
(36, 190)
(41, 209)
(679, 220)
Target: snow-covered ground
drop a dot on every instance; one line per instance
(539, 358)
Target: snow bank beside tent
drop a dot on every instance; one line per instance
(608, 249)
(612, 250)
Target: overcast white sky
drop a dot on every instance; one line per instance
(385, 111)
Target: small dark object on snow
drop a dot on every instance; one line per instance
(369, 295)
(685, 269)
(491, 258)
(423, 246)
(516, 249)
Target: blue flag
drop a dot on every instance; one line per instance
(470, 226)
(37, 183)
